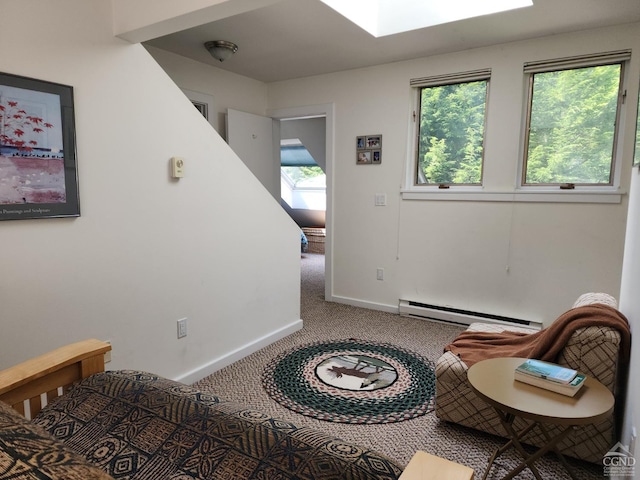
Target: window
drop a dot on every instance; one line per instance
(572, 117)
(451, 126)
(302, 181)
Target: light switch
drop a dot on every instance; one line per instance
(177, 167)
(380, 199)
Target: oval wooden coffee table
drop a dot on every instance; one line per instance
(493, 381)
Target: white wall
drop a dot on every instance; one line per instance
(630, 305)
(528, 260)
(228, 90)
(147, 250)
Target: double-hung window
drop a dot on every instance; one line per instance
(450, 128)
(572, 120)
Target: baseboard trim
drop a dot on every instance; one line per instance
(238, 354)
(363, 304)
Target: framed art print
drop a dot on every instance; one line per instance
(38, 170)
(204, 103)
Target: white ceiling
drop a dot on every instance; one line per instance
(299, 38)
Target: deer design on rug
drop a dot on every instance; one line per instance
(368, 378)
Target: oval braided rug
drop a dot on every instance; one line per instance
(352, 381)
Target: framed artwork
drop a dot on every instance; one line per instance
(369, 150)
(203, 108)
(204, 104)
(38, 170)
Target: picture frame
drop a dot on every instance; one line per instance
(204, 103)
(38, 163)
(374, 141)
(202, 107)
(364, 157)
(369, 150)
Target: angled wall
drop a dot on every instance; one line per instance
(147, 250)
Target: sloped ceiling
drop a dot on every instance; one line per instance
(299, 38)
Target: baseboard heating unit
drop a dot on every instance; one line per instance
(457, 316)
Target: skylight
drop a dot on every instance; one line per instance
(387, 17)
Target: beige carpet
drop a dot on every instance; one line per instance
(330, 321)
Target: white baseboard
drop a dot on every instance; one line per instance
(238, 354)
(363, 304)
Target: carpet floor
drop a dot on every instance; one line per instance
(241, 382)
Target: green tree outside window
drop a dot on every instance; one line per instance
(572, 126)
(451, 135)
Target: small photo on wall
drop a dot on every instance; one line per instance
(364, 157)
(376, 156)
(374, 141)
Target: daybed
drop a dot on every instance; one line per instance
(135, 425)
(597, 350)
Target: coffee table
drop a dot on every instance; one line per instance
(492, 380)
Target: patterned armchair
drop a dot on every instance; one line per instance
(592, 350)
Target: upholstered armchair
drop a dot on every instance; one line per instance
(593, 350)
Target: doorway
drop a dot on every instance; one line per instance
(314, 111)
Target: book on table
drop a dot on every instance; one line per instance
(569, 389)
(550, 377)
(547, 371)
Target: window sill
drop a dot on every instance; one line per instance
(537, 196)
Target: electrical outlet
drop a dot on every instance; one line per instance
(380, 273)
(182, 328)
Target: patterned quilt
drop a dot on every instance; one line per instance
(135, 425)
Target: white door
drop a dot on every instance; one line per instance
(251, 137)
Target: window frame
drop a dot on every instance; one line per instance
(573, 63)
(418, 84)
(514, 191)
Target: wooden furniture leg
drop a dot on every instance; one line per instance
(529, 460)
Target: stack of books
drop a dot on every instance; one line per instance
(550, 377)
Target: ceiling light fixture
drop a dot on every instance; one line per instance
(221, 49)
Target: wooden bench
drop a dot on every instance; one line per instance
(424, 466)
